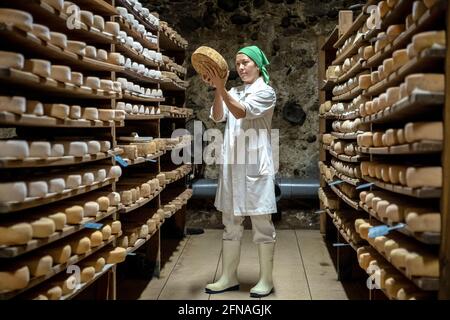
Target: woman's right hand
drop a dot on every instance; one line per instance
(207, 79)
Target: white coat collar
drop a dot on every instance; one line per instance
(251, 88)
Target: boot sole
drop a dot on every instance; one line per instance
(257, 295)
(234, 288)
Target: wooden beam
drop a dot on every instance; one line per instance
(444, 290)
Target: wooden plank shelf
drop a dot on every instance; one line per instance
(50, 51)
(354, 70)
(426, 21)
(141, 117)
(169, 181)
(432, 238)
(352, 115)
(138, 78)
(352, 203)
(358, 23)
(53, 161)
(423, 193)
(342, 232)
(421, 147)
(426, 60)
(141, 202)
(346, 158)
(56, 269)
(14, 251)
(171, 86)
(139, 160)
(138, 15)
(125, 26)
(101, 7)
(350, 95)
(346, 136)
(50, 86)
(36, 202)
(414, 106)
(350, 51)
(353, 181)
(141, 243)
(57, 21)
(332, 38)
(135, 56)
(328, 85)
(30, 120)
(166, 44)
(132, 96)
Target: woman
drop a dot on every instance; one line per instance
(245, 189)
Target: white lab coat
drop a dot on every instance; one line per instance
(248, 188)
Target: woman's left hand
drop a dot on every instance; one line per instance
(215, 79)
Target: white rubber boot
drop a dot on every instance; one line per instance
(231, 252)
(264, 287)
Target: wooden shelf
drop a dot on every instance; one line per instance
(327, 85)
(332, 38)
(346, 158)
(352, 115)
(143, 116)
(166, 44)
(36, 202)
(81, 286)
(350, 51)
(426, 60)
(135, 247)
(432, 238)
(137, 15)
(427, 20)
(346, 136)
(422, 147)
(138, 78)
(49, 86)
(101, 7)
(135, 56)
(352, 203)
(55, 270)
(50, 51)
(414, 106)
(353, 181)
(358, 23)
(125, 26)
(398, 14)
(142, 159)
(423, 193)
(52, 161)
(14, 251)
(57, 21)
(29, 120)
(342, 232)
(179, 178)
(171, 86)
(350, 95)
(354, 70)
(127, 95)
(141, 202)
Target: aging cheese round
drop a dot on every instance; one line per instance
(206, 56)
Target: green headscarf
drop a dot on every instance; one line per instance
(258, 56)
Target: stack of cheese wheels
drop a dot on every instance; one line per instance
(206, 57)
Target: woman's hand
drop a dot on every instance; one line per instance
(212, 78)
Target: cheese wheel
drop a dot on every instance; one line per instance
(88, 179)
(39, 67)
(91, 209)
(73, 181)
(61, 73)
(87, 274)
(17, 18)
(57, 4)
(365, 81)
(394, 30)
(394, 173)
(37, 189)
(90, 114)
(57, 150)
(59, 219)
(40, 149)
(392, 96)
(119, 115)
(391, 137)
(99, 264)
(368, 52)
(77, 47)
(145, 190)
(126, 197)
(388, 66)
(143, 232)
(87, 17)
(426, 82)
(80, 246)
(423, 220)
(424, 131)
(401, 136)
(411, 51)
(106, 232)
(11, 60)
(39, 266)
(93, 147)
(76, 148)
(74, 214)
(116, 58)
(58, 111)
(116, 256)
(17, 234)
(114, 199)
(429, 39)
(116, 227)
(60, 254)
(34, 107)
(103, 56)
(18, 149)
(96, 238)
(41, 31)
(99, 22)
(374, 77)
(68, 285)
(106, 114)
(419, 9)
(115, 172)
(93, 83)
(161, 178)
(409, 22)
(54, 293)
(100, 175)
(105, 146)
(424, 177)
(400, 58)
(123, 242)
(15, 279)
(112, 28)
(425, 265)
(15, 105)
(91, 52)
(43, 228)
(103, 203)
(377, 139)
(75, 112)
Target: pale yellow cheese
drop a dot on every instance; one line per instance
(87, 274)
(59, 219)
(14, 279)
(388, 66)
(417, 177)
(400, 58)
(392, 96)
(43, 228)
(424, 220)
(418, 131)
(39, 265)
(425, 265)
(80, 246)
(60, 254)
(419, 9)
(365, 81)
(17, 234)
(428, 82)
(377, 139)
(401, 136)
(59, 111)
(116, 256)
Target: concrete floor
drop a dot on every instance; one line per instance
(303, 269)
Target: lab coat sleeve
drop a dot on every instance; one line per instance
(259, 103)
(224, 117)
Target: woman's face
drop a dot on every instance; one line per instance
(246, 68)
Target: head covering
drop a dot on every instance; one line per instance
(260, 59)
